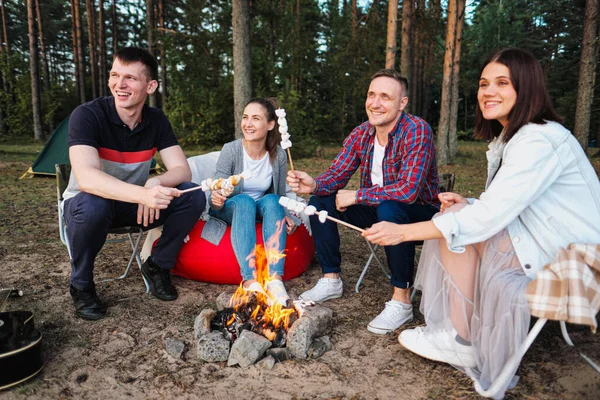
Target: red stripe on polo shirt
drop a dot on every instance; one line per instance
(126, 157)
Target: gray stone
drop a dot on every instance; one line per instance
(213, 347)
(176, 348)
(266, 363)
(202, 322)
(300, 336)
(279, 353)
(322, 316)
(319, 346)
(247, 349)
(314, 322)
(223, 300)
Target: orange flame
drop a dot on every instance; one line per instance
(267, 312)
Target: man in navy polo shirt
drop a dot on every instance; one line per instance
(111, 144)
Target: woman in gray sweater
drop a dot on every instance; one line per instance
(256, 198)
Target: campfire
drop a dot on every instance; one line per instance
(250, 327)
(255, 311)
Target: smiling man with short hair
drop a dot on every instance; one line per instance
(112, 141)
(398, 182)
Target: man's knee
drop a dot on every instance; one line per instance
(392, 211)
(196, 198)
(323, 202)
(89, 209)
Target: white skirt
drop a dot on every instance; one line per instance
(500, 318)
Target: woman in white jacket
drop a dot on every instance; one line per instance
(541, 194)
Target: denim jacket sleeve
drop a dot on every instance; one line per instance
(530, 165)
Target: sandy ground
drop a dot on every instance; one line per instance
(123, 355)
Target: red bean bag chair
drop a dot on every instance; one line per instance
(201, 260)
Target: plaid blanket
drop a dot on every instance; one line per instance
(568, 289)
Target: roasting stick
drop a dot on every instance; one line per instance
(225, 184)
(286, 143)
(298, 207)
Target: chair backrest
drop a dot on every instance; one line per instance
(447, 182)
(63, 173)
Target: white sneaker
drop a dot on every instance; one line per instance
(277, 292)
(394, 315)
(438, 346)
(325, 289)
(256, 287)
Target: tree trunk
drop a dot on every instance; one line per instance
(5, 81)
(36, 103)
(416, 48)
(442, 147)
(163, 66)
(114, 26)
(405, 52)
(150, 26)
(242, 85)
(587, 74)
(90, 6)
(354, 19)
(75, 52)
(80, 56)
(5, 29)
(430, 67)
(392, 29)
(102, 80)
(45, 68)
(452, 126)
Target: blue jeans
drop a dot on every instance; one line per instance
(242, 212)
(400, 258)
(88, 219)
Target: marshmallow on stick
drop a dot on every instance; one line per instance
(286, 143)
(299, 207)
(225, 184)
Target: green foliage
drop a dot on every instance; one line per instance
(307, 53)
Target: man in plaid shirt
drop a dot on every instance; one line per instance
(398, 183)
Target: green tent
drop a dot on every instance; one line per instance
(56, 151)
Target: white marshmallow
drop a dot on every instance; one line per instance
(284, 201)
(310, 210)
(322, 216)
(291, 205)
(299, 207)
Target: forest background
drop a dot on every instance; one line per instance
(315, 56)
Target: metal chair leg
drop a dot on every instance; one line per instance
(366, 267)
(134, 256)
(512, 364)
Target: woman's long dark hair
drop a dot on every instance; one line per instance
(533, 102)
(273, 136)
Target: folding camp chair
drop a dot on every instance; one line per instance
(63, 173)
(567, 288)
(446, 185)
(510, 368)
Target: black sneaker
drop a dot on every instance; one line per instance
(160, 281)
(87, 304)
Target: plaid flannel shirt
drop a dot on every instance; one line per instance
(409, 165)
(568, 289)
